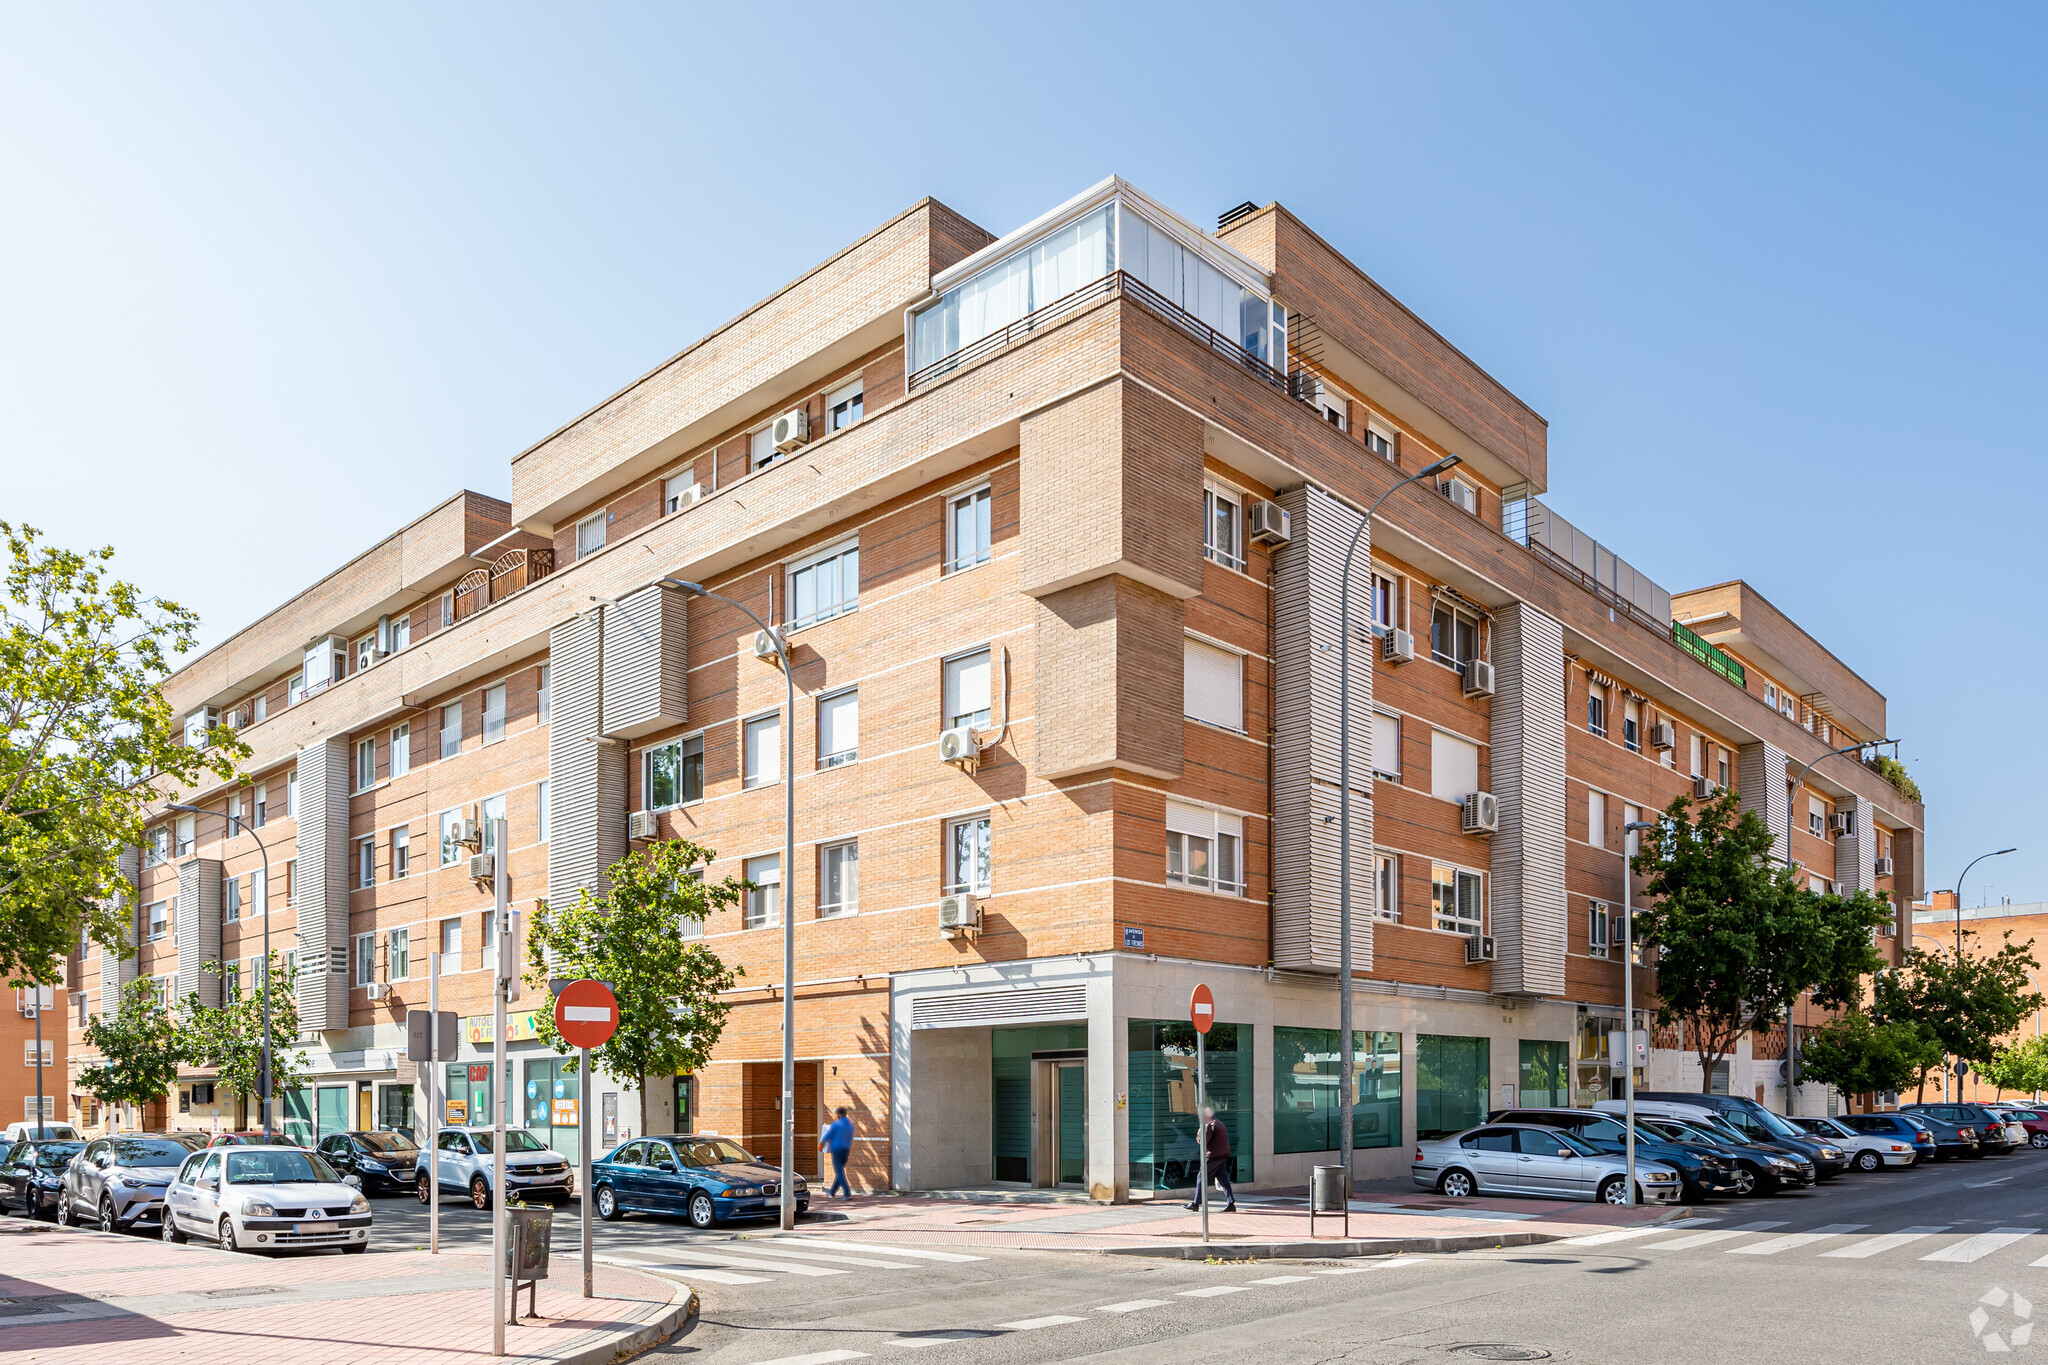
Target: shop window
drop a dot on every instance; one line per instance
(1307, 1074)
(1452, 1078)
(1165, 1152)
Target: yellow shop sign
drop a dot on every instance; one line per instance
(519, 1028)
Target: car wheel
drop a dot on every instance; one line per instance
(170, 1229)
(2039, 1142)
(227, 1235)
(607, 1204)
(107, 1221)
(1868, 1161)
(1745, 1181)
(30, 1208)
(1614, 1190)
(702, 1214)
(1456, 1185)
(426, 1188)
(480, 1192)
(65, 1217)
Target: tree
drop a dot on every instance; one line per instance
(228, 1037)
(1860, 1055)
(90, 742)
(2023, 1066)
(141, 1047)
(1968, 1001)
(671, 1010)
(1738, 940)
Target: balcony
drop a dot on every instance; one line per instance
(509, 572)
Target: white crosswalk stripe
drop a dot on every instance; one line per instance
(1133, 1306)
(833, 1257)
(882, 1248)
(695, 1256)
(1771, 1246)
(1212, 1291)
(1982, 1245)
(936, 1338)
(1701, 1239)
(1890, 1241)
(818, 1358)
(695, 1272)
(1282, 1279)
(1033, 1324)
(1601, 1239)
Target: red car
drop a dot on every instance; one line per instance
(2035, 1121)
(250, 1137)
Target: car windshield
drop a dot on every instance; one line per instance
(1774, 1125)
(516, 1140)
(1918, 1122)
(54, 1156)
(149, 1152)
(1719, 1130)
(711, 1152)
(278, 1168)
(386, 1142)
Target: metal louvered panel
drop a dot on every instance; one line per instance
(1762, 770)
(199, 929)
(1528, 854)
(1306, 587)
(321, 881)
(586, 779)
(646, 662)
(1856, 852)
(1023, 1005)
(117, 971)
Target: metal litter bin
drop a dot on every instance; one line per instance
(527, 1242)
(1329, 1192)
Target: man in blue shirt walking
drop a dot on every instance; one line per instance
(838, 1140)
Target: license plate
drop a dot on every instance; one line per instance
(316, 1227)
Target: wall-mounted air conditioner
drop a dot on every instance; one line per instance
(379, 989)
(792, 429)
(1270, 523)
(482, 867)
(1842, 822)
(1883, 868)
(1663, 735)
(642, 824)
(691, 496)
(1463, 495)
(767, 644)
(1479, 678)
(959, 913)
(467, 833)
(1704, 788)
(1482, 813)
(1397, 647)
(1479, 948)
(959, 746)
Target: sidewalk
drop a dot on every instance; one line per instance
(72, 1296)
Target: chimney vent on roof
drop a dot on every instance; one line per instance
(1232, 215)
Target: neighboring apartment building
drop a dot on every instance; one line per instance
(1075, 500)
(1934, 928)
(19, 1040)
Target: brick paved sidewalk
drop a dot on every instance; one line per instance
(70, 1295)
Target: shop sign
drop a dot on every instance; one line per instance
(519, 1028)
(564, 1114)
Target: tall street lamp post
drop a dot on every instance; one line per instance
(1628, 997)
(1347, 1060)
(788, 1206)
(1956, 1062)
(263, 1074)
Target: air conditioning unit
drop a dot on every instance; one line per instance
(959, 745)
(691, 496)
(467, 832)
(642, 824)
(1479, 678)
(1304, 385)
(1704, 787)
(1842, 822)
(482, 866)
(1888, 930)
(1397, 647)
(1462, 495)
(768, 644)
(1479, 948)
(1482, 813)
(1882, 868)
(1663, 735)
(792, 429)
(379, 989)
(1270, 523)
(958, 914)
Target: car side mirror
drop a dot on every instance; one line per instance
(1566, 1151)
(352, 1179)
(668, 1166)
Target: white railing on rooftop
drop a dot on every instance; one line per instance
(1610, 576)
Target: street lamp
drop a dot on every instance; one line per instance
(263, 1073)
(1959, 954)
(788, 1215)
(1791, 789)
(1628, 999)
(1344, 1052)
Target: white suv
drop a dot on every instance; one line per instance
(463, 1161)
(260, 1198)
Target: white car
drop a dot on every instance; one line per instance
(265, 1198)
(464, 1161)
(48, 1131)
(1867, 1151)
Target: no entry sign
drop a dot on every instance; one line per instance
(1202, 1009)
(586, 1014)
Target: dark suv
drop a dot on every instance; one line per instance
(1760, 1124)
(1702, 1169)
(1989, 1127)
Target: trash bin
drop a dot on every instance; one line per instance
(1329, 1192)
(526, 1252)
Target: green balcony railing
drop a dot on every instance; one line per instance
(1707, 654)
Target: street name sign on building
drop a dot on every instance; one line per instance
(586, 1014)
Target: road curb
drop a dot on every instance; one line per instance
(643, 1338)
(1365, 1246)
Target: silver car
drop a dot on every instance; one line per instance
(463, 1160)
(1867, 1151)
(118, 1182)
(1523, 1159)
(260, 1198)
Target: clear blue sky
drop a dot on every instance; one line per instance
(276, 279)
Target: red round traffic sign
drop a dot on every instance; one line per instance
(586, 1014)
(1202, 1009)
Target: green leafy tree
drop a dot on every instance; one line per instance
(1737, 939)
(89, 743)
(228, 1037)
(669, 988)
(140, 1048)
(2022, 1067)
(1969, 1002)
(1860, 1055)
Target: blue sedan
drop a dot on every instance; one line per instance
(705, 1179)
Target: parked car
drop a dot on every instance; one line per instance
(1759, 1168)
(1951, 1140)
(464, 1161)
(708, 1180)
(2034, 1121)
(1520, 1159)
(120, 1180)
(1867, 1152)
(380, 1160)
(265, 1198)
(1750, 1118)
(249, 1137)
(1702, 1170)
(44, 1131)
(31, 1173)
(1993, 1137)
(1892, 1128)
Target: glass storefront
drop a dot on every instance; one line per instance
(1307, 1072)
(1545, 1076)
(467, 1096)
(298, 1117)
(1012, 1139)
(1165, 1154)
(1452, 1078)
(553, 1104)
(395, 1111)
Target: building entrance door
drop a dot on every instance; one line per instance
(1062, 1124)
(332, 1113)
(761, 1103)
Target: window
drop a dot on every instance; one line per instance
(1630, 837)
(1379, 441)
(838, 879)
(763, 905)
(295, 690)
(824, 587)
(1452, 1079)
(400, 954)
(29, 1055)
(1453, 636)
(1596, 709)
(968, 541)
(1463, 495)
(1386, 746)
(761, 451)
(674, 773)
(365, 651)
(1213, 680)
(1334, 406)
(1597, 928)
(542, 803)
(261, 799)
(291, 881)
(451, 825)
(451, 946)
(259, 710)
(1632, 725)
(1455, 899)
(1596, 819)
(590, 535)
(1695, 756)
(488, 937)
(187, 824)
(451, 729)
(259, 892)
(544, 705)
(291, 794)
(489, 812)
(446, 614)
(839, 728)
(967, 860)
(966, 689)
(675, 488)
(401, 633)
(1816, 815)
(494, 713)
(1722, 769)
(1771, 695)
(1308, 1082)
(230, 899)
(401, 853)
(366, 959)
(1386, 601)
(1453, 766)
(234, 814)
(366, 862)
(762, 750)
(159, 846)
(1204, 848)
(366, 763)
(401, 750)
(843, 406)
(1220, 526)
(159, 914)
(1387, 886)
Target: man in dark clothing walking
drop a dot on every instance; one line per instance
(838, 1140)
(1218, 1140)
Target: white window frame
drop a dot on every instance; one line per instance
(1462, 494)
(977, 497)
(366, 862)
(363, 650)
(949, 688)
(762, 907)
(1596, 817)
(398, 955)
(1631, 724)
(1214, 496)
(1456, 922)
(1384, 605)
(487, 936)
(1597, 708)
(366, 763)
(849, 901)
(1381, 768)
(952, 886)
(750, 777)
(1386, 885)
(1380, 441)
(451, 851)
(841, 550)
(839, 758)
(451, 730)
(486, 822)
(494, 716)
(448, 967)
(401, 633)
(1599, 929)
(672, 489)
(1225, 717)
(1458, 615)
(680, 744)
(259, 709)
(401, 749)
(761, 451)
(366, 960)
(1217, 836)
(584, 543)
(401, 852)
(156, 919)
(544, 699)
(541, 822)
(843, 401)
(187, 835)
(230, 899)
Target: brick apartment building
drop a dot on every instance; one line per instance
(1082, 492)
(19, 1038)
(1934, 928)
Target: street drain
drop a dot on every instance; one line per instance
(1496, 1351)
(240, 1291)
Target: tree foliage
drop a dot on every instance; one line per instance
(1860, 1055)
(228, 1037)
(89, 742)
(1737, 939)
(141, 1046)
(2022, 1067)
(1968, 1002)
(634, 936)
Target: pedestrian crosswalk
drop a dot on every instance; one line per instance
(1830, 1241)
(762, 1260)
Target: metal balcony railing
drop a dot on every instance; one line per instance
(509, 572)
(1707, 654)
